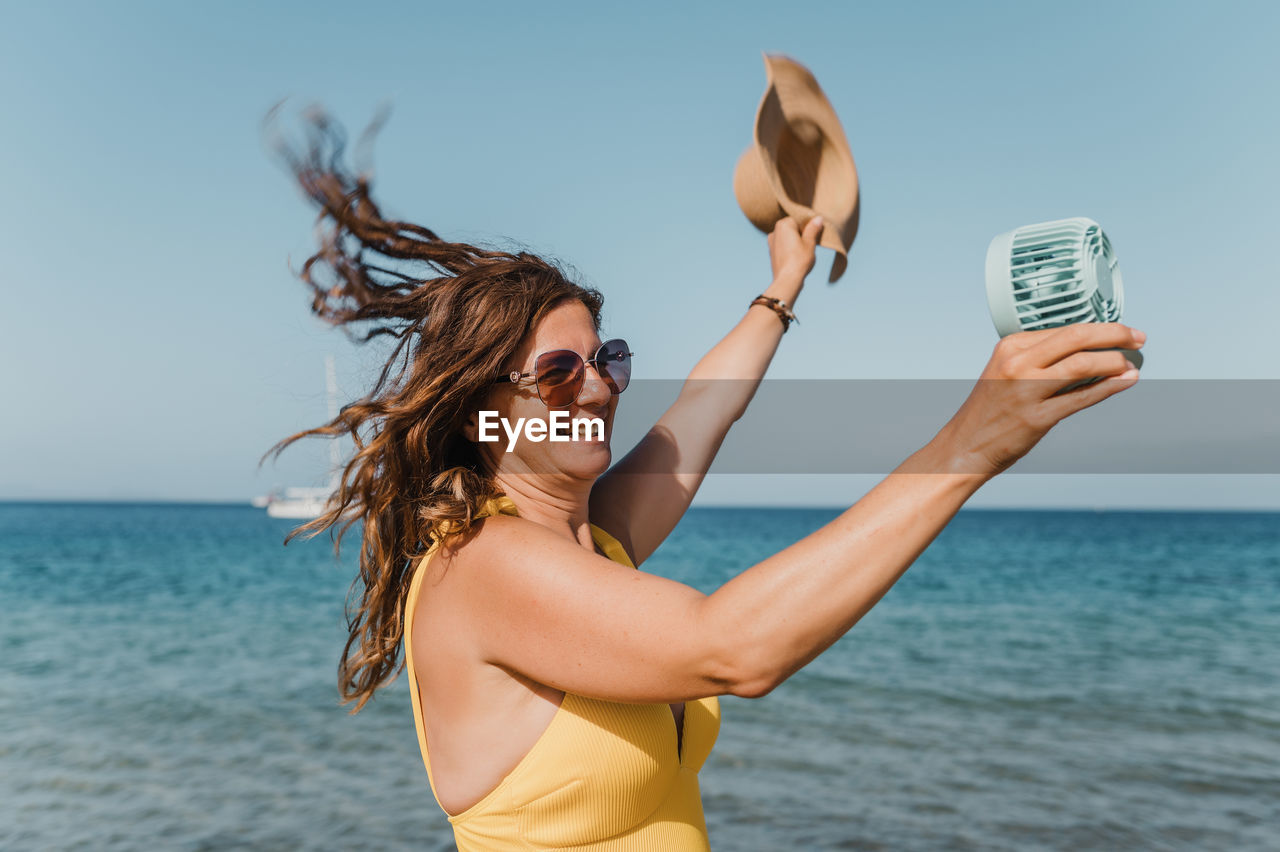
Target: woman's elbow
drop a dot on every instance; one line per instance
(744, 674)
(756, 688)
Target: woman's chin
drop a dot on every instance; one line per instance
(585, 459)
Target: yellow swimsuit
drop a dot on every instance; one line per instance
(603, 775)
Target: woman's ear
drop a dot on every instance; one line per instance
(471, 429)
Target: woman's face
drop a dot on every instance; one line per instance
(567, 326)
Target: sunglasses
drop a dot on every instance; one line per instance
(560, 374)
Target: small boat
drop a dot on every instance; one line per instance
(299, 502)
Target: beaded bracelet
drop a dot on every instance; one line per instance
(779, 307)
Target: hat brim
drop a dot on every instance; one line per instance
(805, 160)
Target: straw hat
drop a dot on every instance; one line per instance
(800, 165)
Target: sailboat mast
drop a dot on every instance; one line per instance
(331, 385)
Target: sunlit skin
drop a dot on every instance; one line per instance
(526, 610)
(550, 484)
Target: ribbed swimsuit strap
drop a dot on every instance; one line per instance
(611, 546)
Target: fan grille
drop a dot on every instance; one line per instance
(1054, 269)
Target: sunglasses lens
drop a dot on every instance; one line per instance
(613, 360)
(560, 376)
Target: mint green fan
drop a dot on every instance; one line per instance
(1053, 274)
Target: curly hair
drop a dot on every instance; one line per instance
(457, 313)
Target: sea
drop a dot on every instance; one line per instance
(1038, 680)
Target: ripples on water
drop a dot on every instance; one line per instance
(1038, 680)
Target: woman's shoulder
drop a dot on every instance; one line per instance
(509, 555)
(494, 544)
(454, 582)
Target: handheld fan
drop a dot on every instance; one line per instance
(1053, 274)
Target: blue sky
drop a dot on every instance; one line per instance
(154, 343)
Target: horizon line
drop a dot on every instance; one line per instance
(174, 502)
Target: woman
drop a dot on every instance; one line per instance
(563, 698)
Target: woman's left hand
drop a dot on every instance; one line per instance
(791, 251)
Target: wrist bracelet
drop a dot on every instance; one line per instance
(779, 307)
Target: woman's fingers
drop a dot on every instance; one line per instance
(812, 231)
(792, 250)
(1050, 346)
(1087, 364)
(785, 225)
(1057, 408)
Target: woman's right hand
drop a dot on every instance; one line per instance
(791, 253)
(1014, 404)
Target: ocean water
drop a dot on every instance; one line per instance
(1038, 680)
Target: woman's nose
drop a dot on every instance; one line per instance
(595, 391)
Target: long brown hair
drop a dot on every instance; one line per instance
(457, 313)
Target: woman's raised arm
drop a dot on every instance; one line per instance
(642, 497)
(563, 616)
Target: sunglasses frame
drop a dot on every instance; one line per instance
(515, 376)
